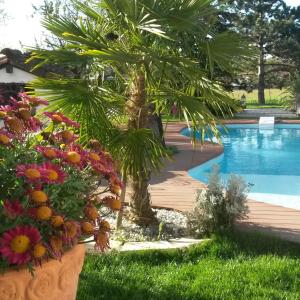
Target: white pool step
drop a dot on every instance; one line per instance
(266, 122)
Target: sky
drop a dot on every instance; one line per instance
(22, 29)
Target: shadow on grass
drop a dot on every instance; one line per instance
(134, 275)
(93, 287)
(238, 243)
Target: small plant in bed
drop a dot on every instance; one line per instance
(219, 206)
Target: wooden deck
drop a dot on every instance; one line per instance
(174, 188)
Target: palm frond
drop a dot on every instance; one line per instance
(139, 151)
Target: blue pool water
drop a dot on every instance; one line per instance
(269, 159)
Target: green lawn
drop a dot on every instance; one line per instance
(273, 97)
(240, 266)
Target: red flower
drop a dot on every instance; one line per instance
(52, 173)
(16, 244)
(58, 117)
(49, 152)
(34, 101)
(13, 208)
(31, 172)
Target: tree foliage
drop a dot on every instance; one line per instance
(273, 27)
(135, 59)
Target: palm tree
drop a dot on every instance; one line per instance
(131, 61)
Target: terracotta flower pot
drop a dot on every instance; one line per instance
(55, 280)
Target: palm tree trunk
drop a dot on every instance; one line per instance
(138, 117)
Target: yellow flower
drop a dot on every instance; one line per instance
(39, 251)
(20, 244)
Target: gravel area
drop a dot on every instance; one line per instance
(171, 224)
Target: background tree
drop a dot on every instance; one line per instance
(261, 22)
(134, 63)
(3, 14)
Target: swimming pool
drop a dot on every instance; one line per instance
(269, 159)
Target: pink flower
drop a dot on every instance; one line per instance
(31, 172)
(13, 208)
(76, 156)
(49, 152)
(101, 168)
(16, 244)
(34, 124)
(58, 117)
(52, 173)
(34, 101)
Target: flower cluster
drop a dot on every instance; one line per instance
(54, 193)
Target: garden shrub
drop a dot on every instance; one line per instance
(219, 206)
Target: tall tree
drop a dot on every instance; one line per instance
(134, 63)
(3, 14)
(257, 20)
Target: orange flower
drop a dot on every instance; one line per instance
(73, 157)
(116, 204)
(4, 139)
(57, 221)
(71, 229)
(24, 114)
(116, 189)
(104, 226)
(94, 144)
(94, 156)
(14, 124)
(43, 213)
(102, 241)
(91, 212)
(112, 202)
(87, 228)
(39, 197)
(56, 244)
(39, 251)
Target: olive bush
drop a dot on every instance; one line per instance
(218, 206)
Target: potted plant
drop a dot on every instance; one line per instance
(54, 194)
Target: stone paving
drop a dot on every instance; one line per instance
(174, 188)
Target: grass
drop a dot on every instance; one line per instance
(238, 266)
(273, 98)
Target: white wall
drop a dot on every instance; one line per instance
(18, 76)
